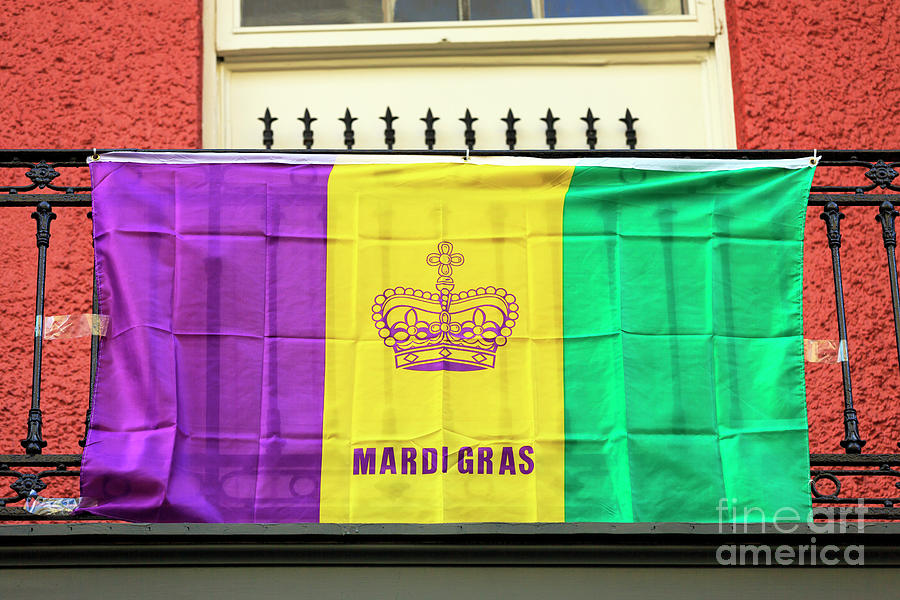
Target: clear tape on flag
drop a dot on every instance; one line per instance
(66, 327)
(825, 351)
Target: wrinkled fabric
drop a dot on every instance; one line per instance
(447, 342)
(208, 397)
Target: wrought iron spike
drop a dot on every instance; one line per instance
(510, 121)
(43, 215)
(832, 216)
(550, 121)
(470, 132)
(268, 134)
(591, 133)
(349, 137)
(429, 128)
(630, 133)
(389, 137)
(42, 174)
(34, 441)
(882, 174)
(886, 215)
(307, 128)
(852, 443)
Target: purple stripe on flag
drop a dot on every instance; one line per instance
(210, 384)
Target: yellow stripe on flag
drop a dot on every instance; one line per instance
(506, 223)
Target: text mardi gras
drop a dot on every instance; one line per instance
(429, 461)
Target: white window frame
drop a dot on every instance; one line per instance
(233, 39)
(224, 39)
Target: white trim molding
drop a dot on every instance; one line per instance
(658, 58)
(698, 26)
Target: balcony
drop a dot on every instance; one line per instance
(847, 485)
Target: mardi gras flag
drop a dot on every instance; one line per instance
(417, 339)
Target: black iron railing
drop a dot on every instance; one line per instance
(875, 171)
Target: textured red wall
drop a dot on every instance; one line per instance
(80, 74)
(806, 73)
(820, 74)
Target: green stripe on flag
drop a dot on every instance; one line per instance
(683, 344)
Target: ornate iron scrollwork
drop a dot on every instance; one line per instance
(881, 174)
(27, 483)
(42, 174)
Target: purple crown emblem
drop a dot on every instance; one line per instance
(445, 331)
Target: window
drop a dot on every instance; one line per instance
(664, 60)
(256, 13)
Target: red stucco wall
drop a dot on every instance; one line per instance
(78, 75)
(821, 74)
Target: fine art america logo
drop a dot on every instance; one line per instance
(445, 330)
(825, 522)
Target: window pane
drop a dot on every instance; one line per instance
(500, 9)
(611, 8)
(426, 10)
(309, 12)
